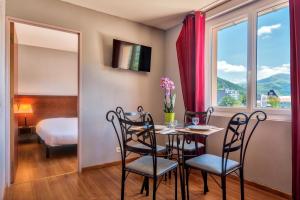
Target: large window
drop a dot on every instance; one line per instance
(251, 58)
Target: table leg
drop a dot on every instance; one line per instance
(181, 171)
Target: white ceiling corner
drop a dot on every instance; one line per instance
(162, 14)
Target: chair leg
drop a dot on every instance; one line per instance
(242, 183)
(154, 187)
(223, 179)
(123, 185)
(187, 174)
(176, 183)
(204, 176)
(147, 186)
(143, 186)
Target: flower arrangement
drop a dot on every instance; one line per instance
(169, 100)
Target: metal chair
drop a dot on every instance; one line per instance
(142, 132)
(138, 117)
(235, 140)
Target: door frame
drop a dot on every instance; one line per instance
(7, 88)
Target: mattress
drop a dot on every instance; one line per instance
(58, 131)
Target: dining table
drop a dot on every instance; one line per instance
(180, 134)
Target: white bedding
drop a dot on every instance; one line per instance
(58, 131)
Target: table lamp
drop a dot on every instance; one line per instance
(24, 109)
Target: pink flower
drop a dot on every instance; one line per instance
(166, 83)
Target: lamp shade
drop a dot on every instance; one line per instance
(23, 109)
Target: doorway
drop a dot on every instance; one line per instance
(44, 66)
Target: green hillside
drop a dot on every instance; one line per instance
(224, 84)
(280, 83)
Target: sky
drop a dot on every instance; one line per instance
(273, 47)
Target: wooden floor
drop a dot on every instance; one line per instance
(104, 184)
(33, 165)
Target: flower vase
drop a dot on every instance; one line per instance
(169, 118)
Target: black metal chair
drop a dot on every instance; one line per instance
(143, 132)
(138, 117)
(235, 140)
(161, 150)
(192, 143)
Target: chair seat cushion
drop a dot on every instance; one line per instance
(187, 147)
(144, 165)
(159, 148)
(210, 163)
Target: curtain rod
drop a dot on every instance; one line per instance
(221, 13)
(207, 8)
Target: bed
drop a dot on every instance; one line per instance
(58, 133)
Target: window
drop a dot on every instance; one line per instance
(250, 58)
(232, 65)
(273, 59)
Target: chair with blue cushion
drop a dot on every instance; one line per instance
(161, 150)
(149, 165)
(236, 140)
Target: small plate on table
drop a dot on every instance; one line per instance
(199, 127)
(159, 127)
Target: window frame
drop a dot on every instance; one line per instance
(250, 13)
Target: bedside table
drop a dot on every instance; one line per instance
(26, 134)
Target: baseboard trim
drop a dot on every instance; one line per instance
(263, 187)
(104, 165)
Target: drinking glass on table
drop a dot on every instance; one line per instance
(172, 124)
(195, 120)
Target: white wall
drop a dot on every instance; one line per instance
(2, 98)
(43, 71)
(102, 88)
(268, 159)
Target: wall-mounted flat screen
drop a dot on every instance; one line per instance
(131, 56)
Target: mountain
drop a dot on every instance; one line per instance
(280, 83)
(224, 84)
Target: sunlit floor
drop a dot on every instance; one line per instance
(33, 164)
(104, 184)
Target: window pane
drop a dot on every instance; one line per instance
(232, 65)
(273, 59)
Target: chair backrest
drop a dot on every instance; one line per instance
(258, 116)
(204, 117)
(138, 115)
(128, 131)
(235, 135)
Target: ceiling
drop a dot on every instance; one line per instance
(162, 14)
(45, 37)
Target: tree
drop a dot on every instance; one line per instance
(229, 101)
(274, 101)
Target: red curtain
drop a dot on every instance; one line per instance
(190, 54)
(295, 93)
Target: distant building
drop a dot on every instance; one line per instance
(233, 93)
(285, 101)
(228, 92)
(272, 93)
(263, 101)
